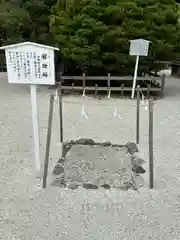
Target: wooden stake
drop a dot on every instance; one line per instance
(122, 90)
(151, 160)
(109, 85)
(163, 85)
(96, 90)
(48, 141)
(84, 82)
(137, 116)
(60, 112)
(148, 90)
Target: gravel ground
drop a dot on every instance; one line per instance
(28, 212)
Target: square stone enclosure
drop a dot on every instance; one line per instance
(93, 165)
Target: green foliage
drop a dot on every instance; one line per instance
(97, 31)
(14, 23)
(25, 20)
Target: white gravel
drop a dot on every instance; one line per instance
(27, 212)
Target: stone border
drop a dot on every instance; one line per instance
(58, 170)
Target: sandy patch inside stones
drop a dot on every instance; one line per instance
(93, 166)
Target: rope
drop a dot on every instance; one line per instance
(83, 113)
(142, 100)
(101, 104)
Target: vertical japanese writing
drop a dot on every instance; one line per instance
(14, 61)
(18, 65)
(20, 59)
(44, 58)
(39, 66)
(10, 57)
(28, 63)
(35, 64)
(29, 66)
(24, 65)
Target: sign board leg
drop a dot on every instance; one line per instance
(35, 122)
(135, 76)
(151, 158)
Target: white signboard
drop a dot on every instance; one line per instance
(139, 47)
(30, 63)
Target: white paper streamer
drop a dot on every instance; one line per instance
(83, 112)
(146, 105)
(56, 95)
(116, 114)
(84, 93)
(109, 94)
(142, 100)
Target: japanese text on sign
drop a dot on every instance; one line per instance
(27, 65)
(32, 67)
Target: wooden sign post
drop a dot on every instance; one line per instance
(33, 64)
(138, 47)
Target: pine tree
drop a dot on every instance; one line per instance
(98, 32)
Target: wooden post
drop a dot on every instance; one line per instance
(84, 83)
(163, 85)
(60, 112)
(151, 163)
(48, 141)
(137, 115)
(96, 90)
(148, 90)
(109, 85)
(122, 90)
(109, 80)
(62, 82)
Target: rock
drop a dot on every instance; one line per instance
(138, 169)
(137, 163)
(72, 142)
(66, 148)
(136, 182)
(139, 181)
(61, 160)
(132, 147)
(72, 185)
(58, 182)
(106, 144)
(133, 187)
(58, 169)
(85, 141)
(106, 186)
(66, 143)
(89, 186)
(136, 159)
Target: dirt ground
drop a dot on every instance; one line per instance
(28, 212)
